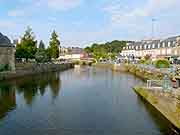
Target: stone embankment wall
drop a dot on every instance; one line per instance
(164, 103)
(114, 67)
(133, 69)
(143, 73)
(29, 69)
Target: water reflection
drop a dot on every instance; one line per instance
(30, 87)
(7, 99)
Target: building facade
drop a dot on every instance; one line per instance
(7, 52)
(73, 53)
(155, 48)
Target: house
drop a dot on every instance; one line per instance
(169, 47)
(7, 53)
(73, 53)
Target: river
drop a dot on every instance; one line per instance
(81, 101)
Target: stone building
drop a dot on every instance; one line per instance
(169, 47)
(7, 53)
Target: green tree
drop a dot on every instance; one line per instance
(42, 54)
(102, 50)
(28, 45)
(54, 44)
(41, 45)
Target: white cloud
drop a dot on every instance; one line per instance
(6, 24)
(150, 8)
(58, 4)
(16, 13)
(63, 4)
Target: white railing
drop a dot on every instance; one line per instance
(154, 83)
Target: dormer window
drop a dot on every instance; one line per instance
(144, 46)
(164, 44)
(169, 44)
(149, 46)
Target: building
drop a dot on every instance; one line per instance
(169, 47)
(7, 52)
(73, 53)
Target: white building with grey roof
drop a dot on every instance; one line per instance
(156, 48)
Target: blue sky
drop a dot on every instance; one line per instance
(82, 22)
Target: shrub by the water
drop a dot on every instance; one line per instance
(162, 63)
(84, 63)
(77, 62)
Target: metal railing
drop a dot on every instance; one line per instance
(154, 83)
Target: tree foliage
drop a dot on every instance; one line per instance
(162, 63)
(42, 54)
(41, 45)
(107, 50)
(54, 44)
(28, 45)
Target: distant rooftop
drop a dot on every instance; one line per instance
(5, 41)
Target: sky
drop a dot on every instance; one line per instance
(83, 22)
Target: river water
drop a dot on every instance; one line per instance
(81, 101)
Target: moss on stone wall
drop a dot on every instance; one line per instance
(167, 106)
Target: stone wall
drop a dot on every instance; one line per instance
(7, 57)
(35, 69)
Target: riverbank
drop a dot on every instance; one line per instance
(30, 69)
(133, 69)
(164, 103)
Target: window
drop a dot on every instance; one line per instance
(153, 46)
(164, 44)
(136, 47)
(175, 52)
(144, 46)
(159, 45)
(168, 51)
(169, 44)
(163, 52)
(149, 46)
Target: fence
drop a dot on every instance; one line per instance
(154, 83)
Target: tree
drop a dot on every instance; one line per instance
(41, 45)
(28, 45)
(42, 54)
(102, 50)
(54, 44)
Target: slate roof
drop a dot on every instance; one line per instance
(171, 38)
(154, 44)
(5, 41)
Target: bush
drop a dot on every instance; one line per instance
(84, 63)
(162, 63)
(144, 61)
(77, 62)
